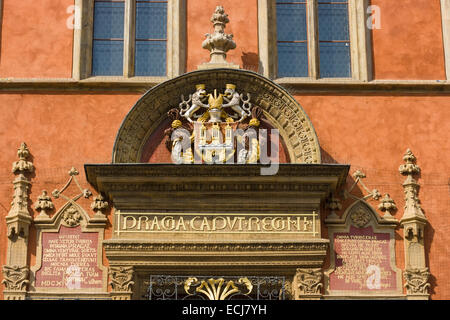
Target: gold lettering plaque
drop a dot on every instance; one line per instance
(192, 223)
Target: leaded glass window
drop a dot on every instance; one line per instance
(313, 38)
(334, 39)
(108, 40)
(292, 40)
(129, 38)
(151, 34)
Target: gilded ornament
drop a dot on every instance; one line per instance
(214, 289)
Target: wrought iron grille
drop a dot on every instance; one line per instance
(168, 287)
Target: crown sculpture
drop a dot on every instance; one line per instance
(218, 43)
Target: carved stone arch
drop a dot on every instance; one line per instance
(280, 108)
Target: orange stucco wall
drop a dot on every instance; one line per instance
(409, 43)
(35, 39)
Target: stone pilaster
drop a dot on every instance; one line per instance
(413, 222)
(18, 220)
(121, 281)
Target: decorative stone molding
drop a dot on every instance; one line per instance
(278, 106)
(413, 223)
(309, 283)
(44, 203)
(218, 43)
(121, 281)
(417, 281)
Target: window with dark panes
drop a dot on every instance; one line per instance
(292, 38)
(108, 40)
(144, 36)
(313, 34)
(334, 39)
(151, 38)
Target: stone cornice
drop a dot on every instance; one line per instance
(144, 186)
(295, 86)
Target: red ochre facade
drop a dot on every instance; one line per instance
(369, 131)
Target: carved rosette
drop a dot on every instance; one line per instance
(121, 279)
(15, 278)
(309, 282)
(360, 217)
(72, 217)
(417, 281)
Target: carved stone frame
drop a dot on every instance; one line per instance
(53, 225)
(378, 225)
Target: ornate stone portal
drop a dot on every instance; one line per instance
(213, 218)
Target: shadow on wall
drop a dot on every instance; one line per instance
(250, 61)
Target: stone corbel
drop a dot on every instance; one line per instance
(308, 283)
(121, 281)
(99, 205)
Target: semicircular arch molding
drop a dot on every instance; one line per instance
(281, 109)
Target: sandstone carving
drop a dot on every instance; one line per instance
(417, 281)
(15, 278)
(121, 278)
(309, 281)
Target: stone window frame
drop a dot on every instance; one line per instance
(445, 14)
(360, 42)
(83, 39)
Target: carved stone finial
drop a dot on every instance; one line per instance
(410, 167)
(23, 166)
(387, 205)
(218, 43)
(19, 218)
(44, 203)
